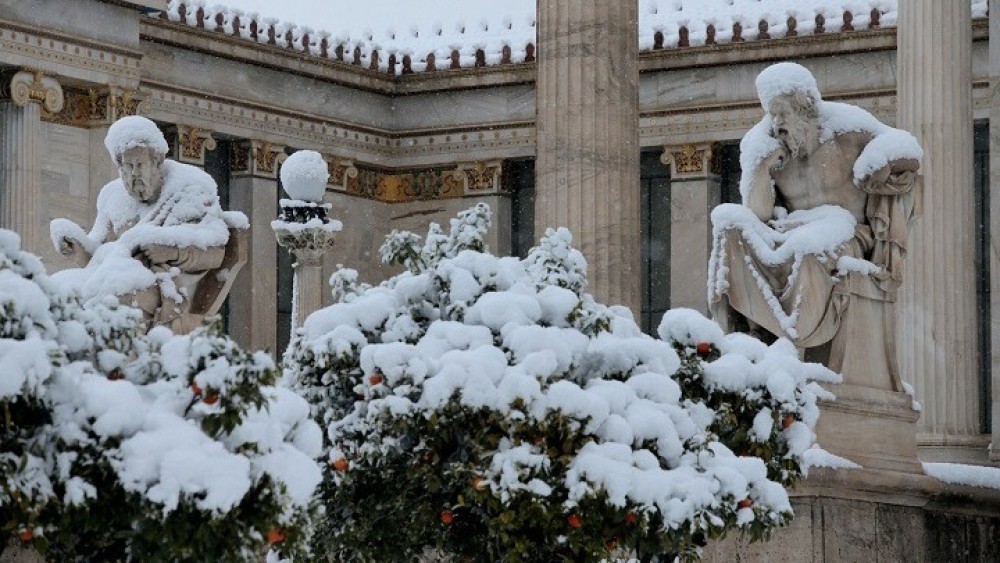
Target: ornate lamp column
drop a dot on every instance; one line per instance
(22, 96)
(304, 229)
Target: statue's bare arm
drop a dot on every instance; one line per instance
(761, 197)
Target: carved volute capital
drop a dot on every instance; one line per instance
(24, 87)
(192, 144)
(341, 171)
(256, 158)
(690, 161)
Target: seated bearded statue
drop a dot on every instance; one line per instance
(160, 241)
(815, 252)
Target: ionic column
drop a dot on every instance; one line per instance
(937, 337)
(587, 165)
(253, 189)
(22, 96)
(694, 190)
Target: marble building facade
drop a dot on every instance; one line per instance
(407, 149)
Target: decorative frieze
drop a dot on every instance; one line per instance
(25, 87)
(95, 107)
(398, 186)
(256, 158)
(84, 58)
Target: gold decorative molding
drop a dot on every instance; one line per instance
(341, 172)
(25, 87)
(125, 102)
(256, 158)
(83, 108)
(192, 143)
(480, 177)
(691, 160)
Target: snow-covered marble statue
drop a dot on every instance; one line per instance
(815, 252)
(161, 241)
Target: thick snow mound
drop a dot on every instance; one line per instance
(134, 131)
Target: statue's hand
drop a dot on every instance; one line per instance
(69, 246)
(157, 254)
(776, 160)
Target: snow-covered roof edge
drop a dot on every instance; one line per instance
(660, 27)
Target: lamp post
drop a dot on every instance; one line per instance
(304, 229)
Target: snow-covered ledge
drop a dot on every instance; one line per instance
(304, 229)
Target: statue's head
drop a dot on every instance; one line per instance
(138, 148)
(140, 170)
(794, 121)
(789, 94)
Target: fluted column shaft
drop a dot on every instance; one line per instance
(20, 173)
(994, 200)
(937, 330)
(587, 166)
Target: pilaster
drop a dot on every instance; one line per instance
(587, 164)
(695, 188)
(253, 189)
(938, 349)
(22, 97)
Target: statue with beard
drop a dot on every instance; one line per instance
(814, 253)
(160, 241)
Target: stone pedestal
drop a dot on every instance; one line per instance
(22, 96)
(938, 348)
(694, 191)
(875, 428)
(587, 166)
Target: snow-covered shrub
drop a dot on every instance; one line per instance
(119, 445)
(488, 408)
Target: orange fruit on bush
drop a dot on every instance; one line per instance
(787, 421)
(274, 536)
(447, 517)
(574, 521)
(745, 503)
(340, 464)
(27, 534)
(376, 378)
(631, 518)
(703, 349)
(196, 389)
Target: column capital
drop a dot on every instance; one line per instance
(256, 158)
(692, 161)
(479, 177)
(341, 171)
(307, 245)
(25, 87)
(192, 143)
